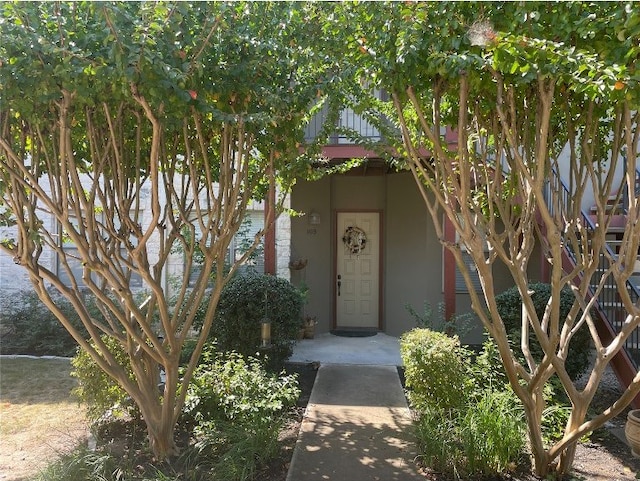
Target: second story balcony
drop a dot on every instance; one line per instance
(348, 121)
(355, 135)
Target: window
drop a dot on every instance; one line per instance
(461, 286)
(253, 223)
(75, 264)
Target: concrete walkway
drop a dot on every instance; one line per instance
(381, 349)
(357, 427)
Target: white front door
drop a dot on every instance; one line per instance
(357, 286)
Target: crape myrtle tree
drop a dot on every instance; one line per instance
(534, 91)
(129, 131)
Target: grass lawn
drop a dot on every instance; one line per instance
(38, 417)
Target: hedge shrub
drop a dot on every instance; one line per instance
(27, 326)
(245, 301)
(510, 308)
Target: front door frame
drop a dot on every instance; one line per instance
(334, 268)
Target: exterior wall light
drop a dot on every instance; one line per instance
(265, 333)
(265, 325)
(314, 218)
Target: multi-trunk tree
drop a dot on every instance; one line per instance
(544, 100)
(131, 131)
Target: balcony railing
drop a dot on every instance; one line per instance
(350, 128)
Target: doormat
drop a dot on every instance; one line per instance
(353, 332)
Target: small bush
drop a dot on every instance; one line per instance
(436, 370)
(104, 398)
(238, 409)
(510, 308)
(487, 368)
(489, 375)
(245, 301)
(469, 422)
(229, 387)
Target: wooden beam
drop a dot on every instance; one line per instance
(269, 224)
(449, 268)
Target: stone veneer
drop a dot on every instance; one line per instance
(14, 278)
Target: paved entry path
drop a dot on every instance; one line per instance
(357, 427)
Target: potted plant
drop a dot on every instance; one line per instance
(301, 332)
(632, 431)
(308, 323)
(310, 327)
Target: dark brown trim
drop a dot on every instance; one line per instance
(334, 268)
(270, 230)
(449, 270)
(347, 152)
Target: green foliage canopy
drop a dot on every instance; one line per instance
(131, 130)
(224, 61)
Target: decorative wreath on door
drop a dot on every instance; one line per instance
(354, 239)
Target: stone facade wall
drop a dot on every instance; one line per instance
(14, 278)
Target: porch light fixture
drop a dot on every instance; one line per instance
(265, 332)
(314, 218)
(265, 326)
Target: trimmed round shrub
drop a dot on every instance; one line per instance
(510, 308)
(248, 299)
(436, 370)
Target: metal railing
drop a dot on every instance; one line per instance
(350, 128)
(609, 305)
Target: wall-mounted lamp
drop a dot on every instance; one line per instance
(265, 325)
(314, 218)
(266, 333)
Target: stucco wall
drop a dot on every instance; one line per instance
(413, 264)
(312, 242)
(411, 260)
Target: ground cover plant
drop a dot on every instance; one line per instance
(465, 426)
(234, 413)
